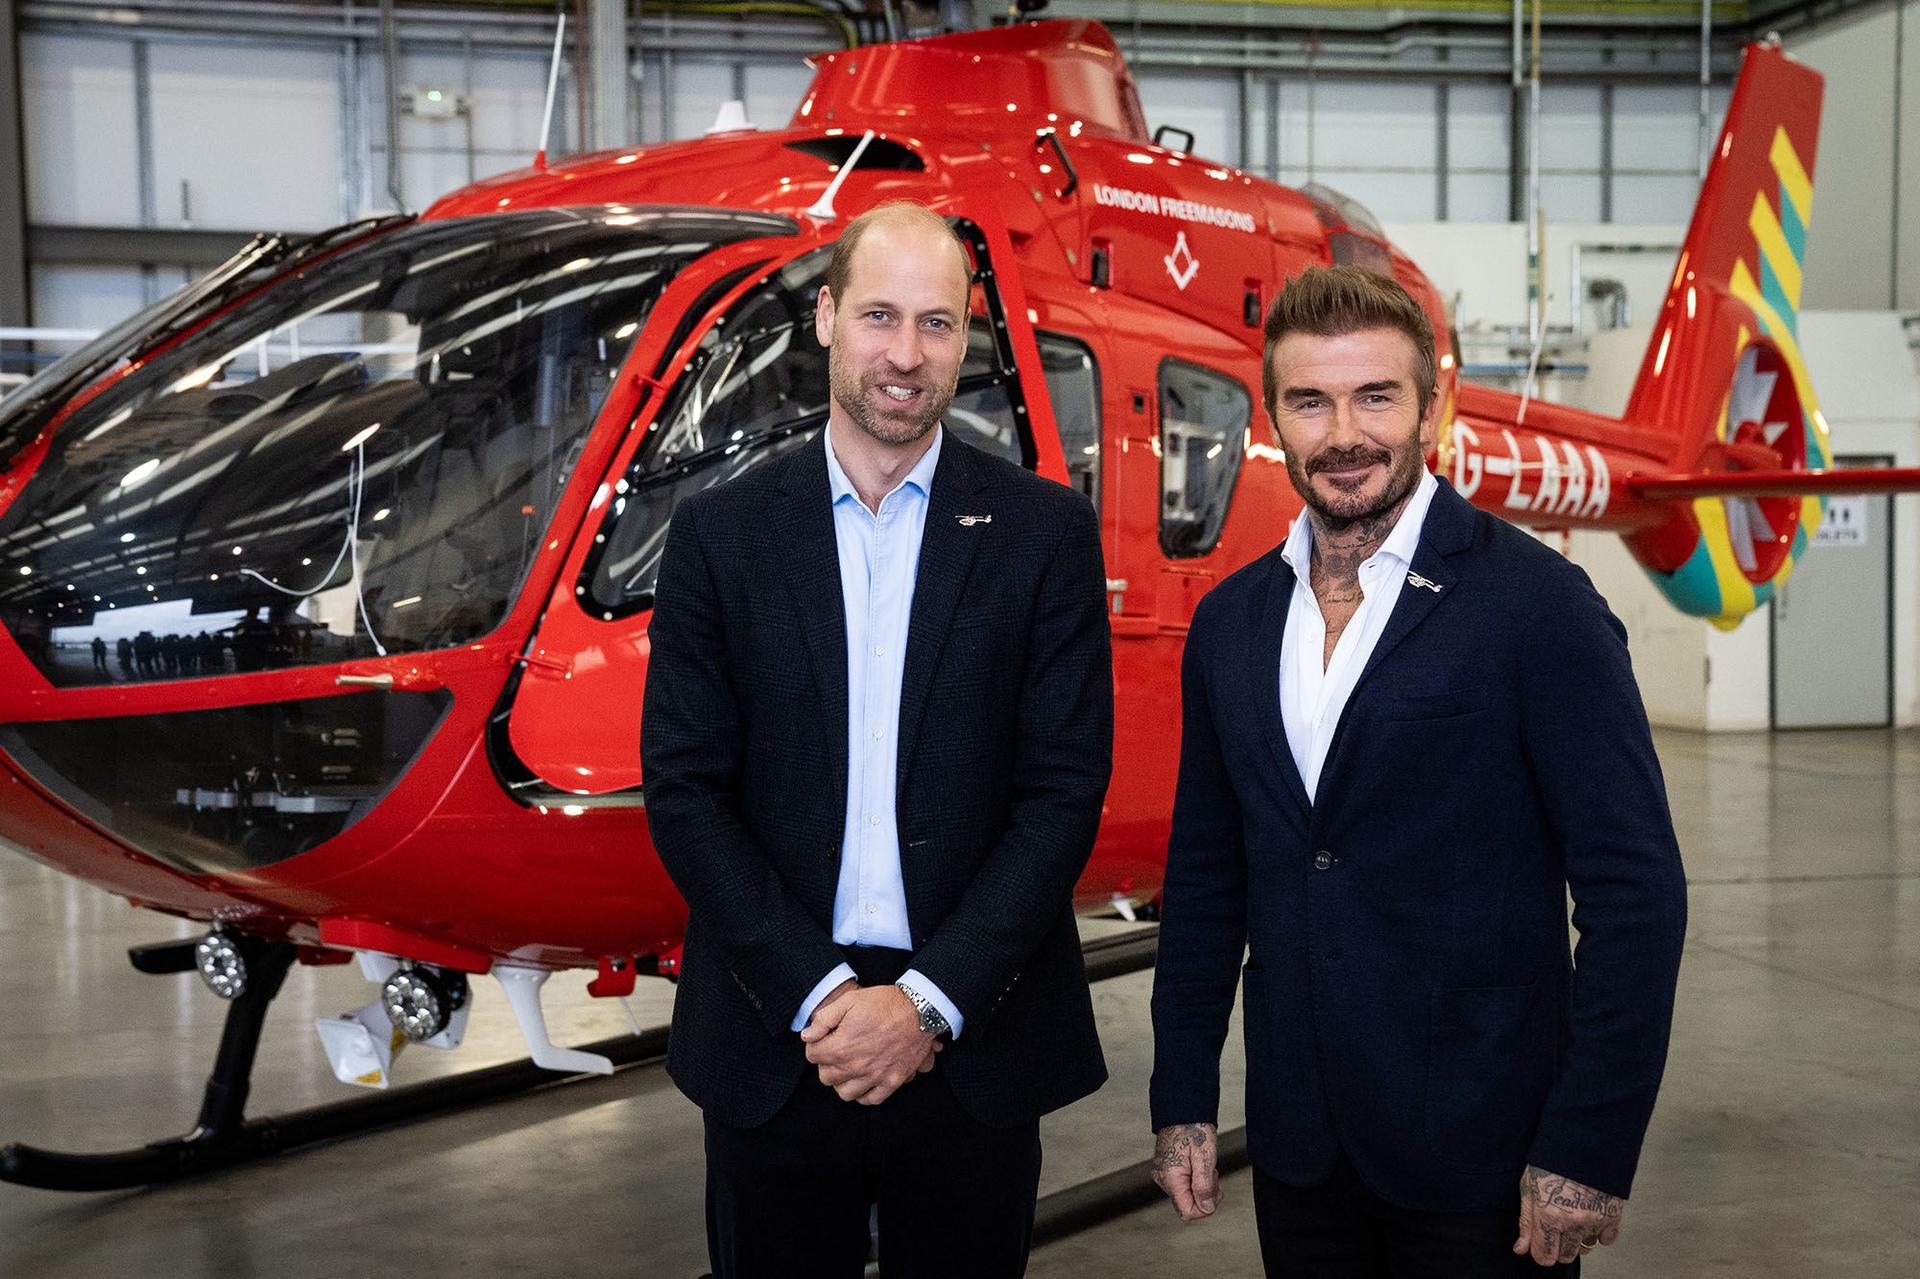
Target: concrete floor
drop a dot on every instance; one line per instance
(1787, 1141)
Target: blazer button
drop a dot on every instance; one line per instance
(1322, 860)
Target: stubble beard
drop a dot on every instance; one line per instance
(856, 394)
(1346, 511)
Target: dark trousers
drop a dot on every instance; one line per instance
(792, 1199)
(1342, 1230)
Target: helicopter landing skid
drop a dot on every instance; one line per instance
(224, 1137)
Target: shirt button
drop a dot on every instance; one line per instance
(1322, 860)
(871, 908)
(875, 821)
(879, 652)
(876, 734)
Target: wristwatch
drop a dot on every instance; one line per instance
(931, 1020)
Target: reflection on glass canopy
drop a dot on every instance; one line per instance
(360, 460)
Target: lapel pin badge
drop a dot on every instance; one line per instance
(968, 521)
(1414, 579)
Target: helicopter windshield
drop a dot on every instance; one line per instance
(359, 460)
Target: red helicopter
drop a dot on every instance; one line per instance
(324, 585)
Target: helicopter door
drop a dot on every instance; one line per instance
(751, 387)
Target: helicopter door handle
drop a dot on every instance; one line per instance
(383, 681)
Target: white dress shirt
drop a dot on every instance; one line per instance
(879, 557)
(1313, 695)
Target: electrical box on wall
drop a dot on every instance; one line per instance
(432, 104)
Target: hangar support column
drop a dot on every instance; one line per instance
(16, 306)
(608, 55)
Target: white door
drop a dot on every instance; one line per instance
(1833, 621)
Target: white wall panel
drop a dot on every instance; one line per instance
(1208, 105)
(425, 176)
(1382, 126)
(1477, 197)
(508, 94)
(1569, 127)
(89, 297)
(1656, 127)
(1850, 244)
(700, 86)
(1294, 135)
(1389, 196)
(254, 133)
(649, 85)
(1570, 197)
(1908, 131)
(1477, 127)
(1642, 198)
(774, 90)
(77, 113)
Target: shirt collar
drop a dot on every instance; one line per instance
(921, 476)
(1401, 543)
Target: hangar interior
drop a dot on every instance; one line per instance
(142, 145)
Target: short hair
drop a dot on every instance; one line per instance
(1333, 301)
(840, 265)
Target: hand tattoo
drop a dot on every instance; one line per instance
(1170, 1151)
(1560, 1218)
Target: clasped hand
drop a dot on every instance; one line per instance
(867, 1042)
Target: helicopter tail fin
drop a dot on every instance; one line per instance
(1723, 379)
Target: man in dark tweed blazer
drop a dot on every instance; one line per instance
(876, 738)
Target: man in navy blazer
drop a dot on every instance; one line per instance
(1408, 732)
(877, 735)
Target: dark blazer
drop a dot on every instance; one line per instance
(1409, 996)
(1006, 732)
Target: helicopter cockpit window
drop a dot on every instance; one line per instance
(1203, 433)
(359, 460)
(754, 390)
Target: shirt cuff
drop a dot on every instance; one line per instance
(934, 995)
(841, 972)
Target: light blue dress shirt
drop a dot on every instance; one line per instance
(879, 556)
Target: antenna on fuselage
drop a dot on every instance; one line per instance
(822, 209)
(553, 83)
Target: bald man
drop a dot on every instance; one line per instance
(877, 734)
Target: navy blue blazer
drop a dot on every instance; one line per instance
(1006, 743)
(1410, 1000)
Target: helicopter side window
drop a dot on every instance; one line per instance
(1204, 419)
(982, 411)
(1073, 384)
(755, 389)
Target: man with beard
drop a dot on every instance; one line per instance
(1408, 731)
(876, 738)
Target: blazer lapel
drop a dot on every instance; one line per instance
(810, 556)
(947, 549)
(1269, 643)
(1449, 528)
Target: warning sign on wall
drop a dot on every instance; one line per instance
(1845, 523)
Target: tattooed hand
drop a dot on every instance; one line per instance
(1560, 1219)
(1186, 1164)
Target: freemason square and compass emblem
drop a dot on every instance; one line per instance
(1181, 264)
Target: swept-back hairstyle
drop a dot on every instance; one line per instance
(1333, 301)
